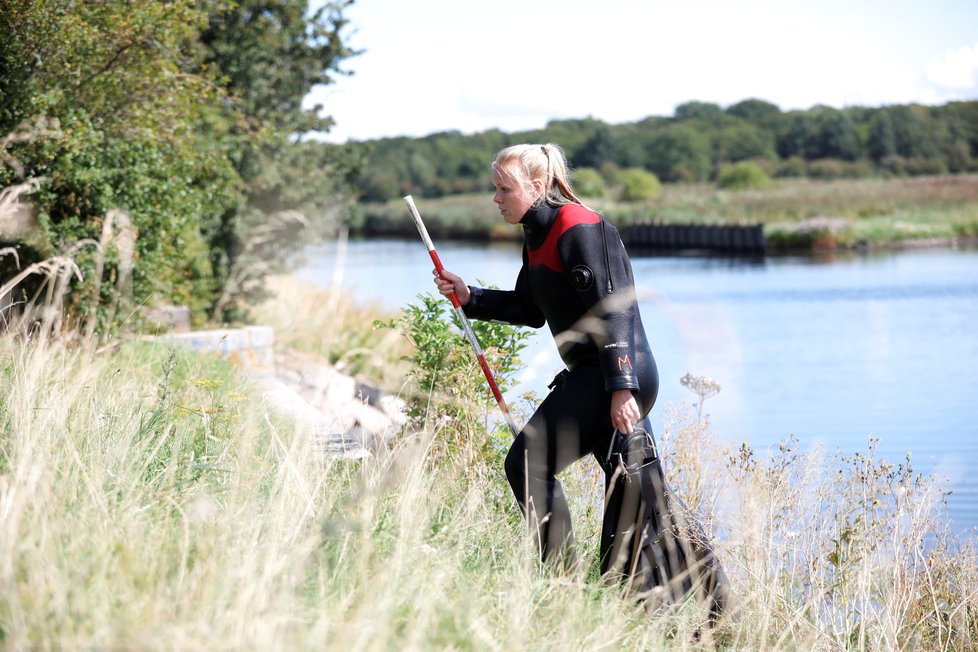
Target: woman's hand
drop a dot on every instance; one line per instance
(624, 410)
(448, 283)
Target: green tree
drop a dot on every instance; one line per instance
(882, 137)
(798, 136)
(966, 116)
(706, 111)
(267, 56)
(757, 112)
(955, 149)
(837, 136)
(914, 138)
(571, 134)
(742, 141)
(125, 65)
(600, 148)
(680, 152)
(183, 113)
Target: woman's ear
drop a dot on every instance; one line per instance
(539, 188)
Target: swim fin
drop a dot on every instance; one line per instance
(650, 540)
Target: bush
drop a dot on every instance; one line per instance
(743, 175)
(588, 182)
(448, 380)
(965, 228)
(638, 184)
(893, 165)
(173, 197)
(793, 166)
(611, 173)
(923, 166)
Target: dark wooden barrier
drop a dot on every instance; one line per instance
(735, 239)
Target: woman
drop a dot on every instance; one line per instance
(577, 278)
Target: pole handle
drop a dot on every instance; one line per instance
(418, 222)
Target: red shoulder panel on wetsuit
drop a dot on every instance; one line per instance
(569, 216)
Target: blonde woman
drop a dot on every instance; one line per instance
(577, 278)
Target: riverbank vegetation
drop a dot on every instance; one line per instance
(150, 500)
(796, 213)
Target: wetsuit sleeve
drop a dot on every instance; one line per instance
(511, 306)
(599, 270)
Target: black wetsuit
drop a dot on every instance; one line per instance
(576, 277)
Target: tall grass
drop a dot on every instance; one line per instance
(150, 500)
(145, 504)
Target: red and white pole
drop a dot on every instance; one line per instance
(466, 326)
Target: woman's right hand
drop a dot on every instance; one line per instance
(448, 283)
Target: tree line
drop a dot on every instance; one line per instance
(696, 144)
(186, 116)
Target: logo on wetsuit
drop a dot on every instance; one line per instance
(624, 363)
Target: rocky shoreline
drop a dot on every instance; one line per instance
(346, 417)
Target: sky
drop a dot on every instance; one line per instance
(441, 65)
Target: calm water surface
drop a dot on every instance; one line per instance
(833, 352)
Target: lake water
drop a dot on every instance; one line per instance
(834, 351)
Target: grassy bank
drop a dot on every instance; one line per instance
(875, 212)
(149, 500)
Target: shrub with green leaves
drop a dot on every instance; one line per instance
(743, 175)
(449, 382)
(638, 184)
(588, 182)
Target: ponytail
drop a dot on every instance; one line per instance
(527, 163)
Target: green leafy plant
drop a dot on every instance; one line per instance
(449, 384)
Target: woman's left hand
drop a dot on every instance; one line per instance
(624, 410)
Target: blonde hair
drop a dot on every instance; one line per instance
(527, 163)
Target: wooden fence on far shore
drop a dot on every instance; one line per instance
(733, 239)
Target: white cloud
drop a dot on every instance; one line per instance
(957, 69)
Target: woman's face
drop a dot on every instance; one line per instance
(512, 199)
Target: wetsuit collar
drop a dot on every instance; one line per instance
(536, 222)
